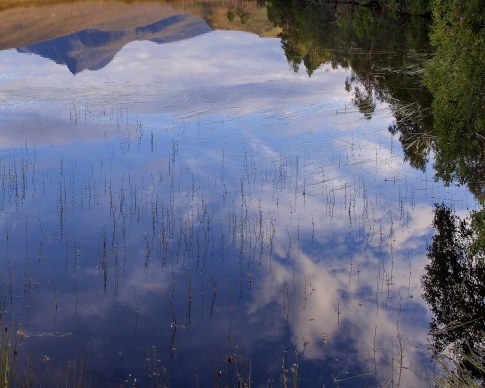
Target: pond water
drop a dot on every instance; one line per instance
(180, 207)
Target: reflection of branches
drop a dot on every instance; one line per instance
(411, 122)
(454, 288)
(365, 101)
(412, 119)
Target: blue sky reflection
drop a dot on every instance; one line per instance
(202, 201)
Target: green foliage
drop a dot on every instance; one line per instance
(385, 51)
(456, 78)
(357, 37)
(415, 7)
(382, 49)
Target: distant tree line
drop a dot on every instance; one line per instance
(385, 51)
(438, 100)
(415, 7)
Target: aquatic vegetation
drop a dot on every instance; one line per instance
(185, 216)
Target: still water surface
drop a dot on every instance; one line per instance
(180, 207)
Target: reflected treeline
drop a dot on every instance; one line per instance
(454, 282)
(454, 287)
(456, 78)
(390, 57)
(384, 50)
(438, 102)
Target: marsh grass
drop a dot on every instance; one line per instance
(10, 341)
(14, 374)
(7, 358)
(78, 375)
(454, 374)
(289, 377)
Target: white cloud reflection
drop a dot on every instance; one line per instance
(202, 76)
(280, 162)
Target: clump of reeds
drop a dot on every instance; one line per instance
(458, 374)
(77, 376)
(5, 358)
(289, 381)
(9, 345)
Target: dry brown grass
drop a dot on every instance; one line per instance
(25, 22)
(28, 22)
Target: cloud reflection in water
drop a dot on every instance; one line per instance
(224, 196)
